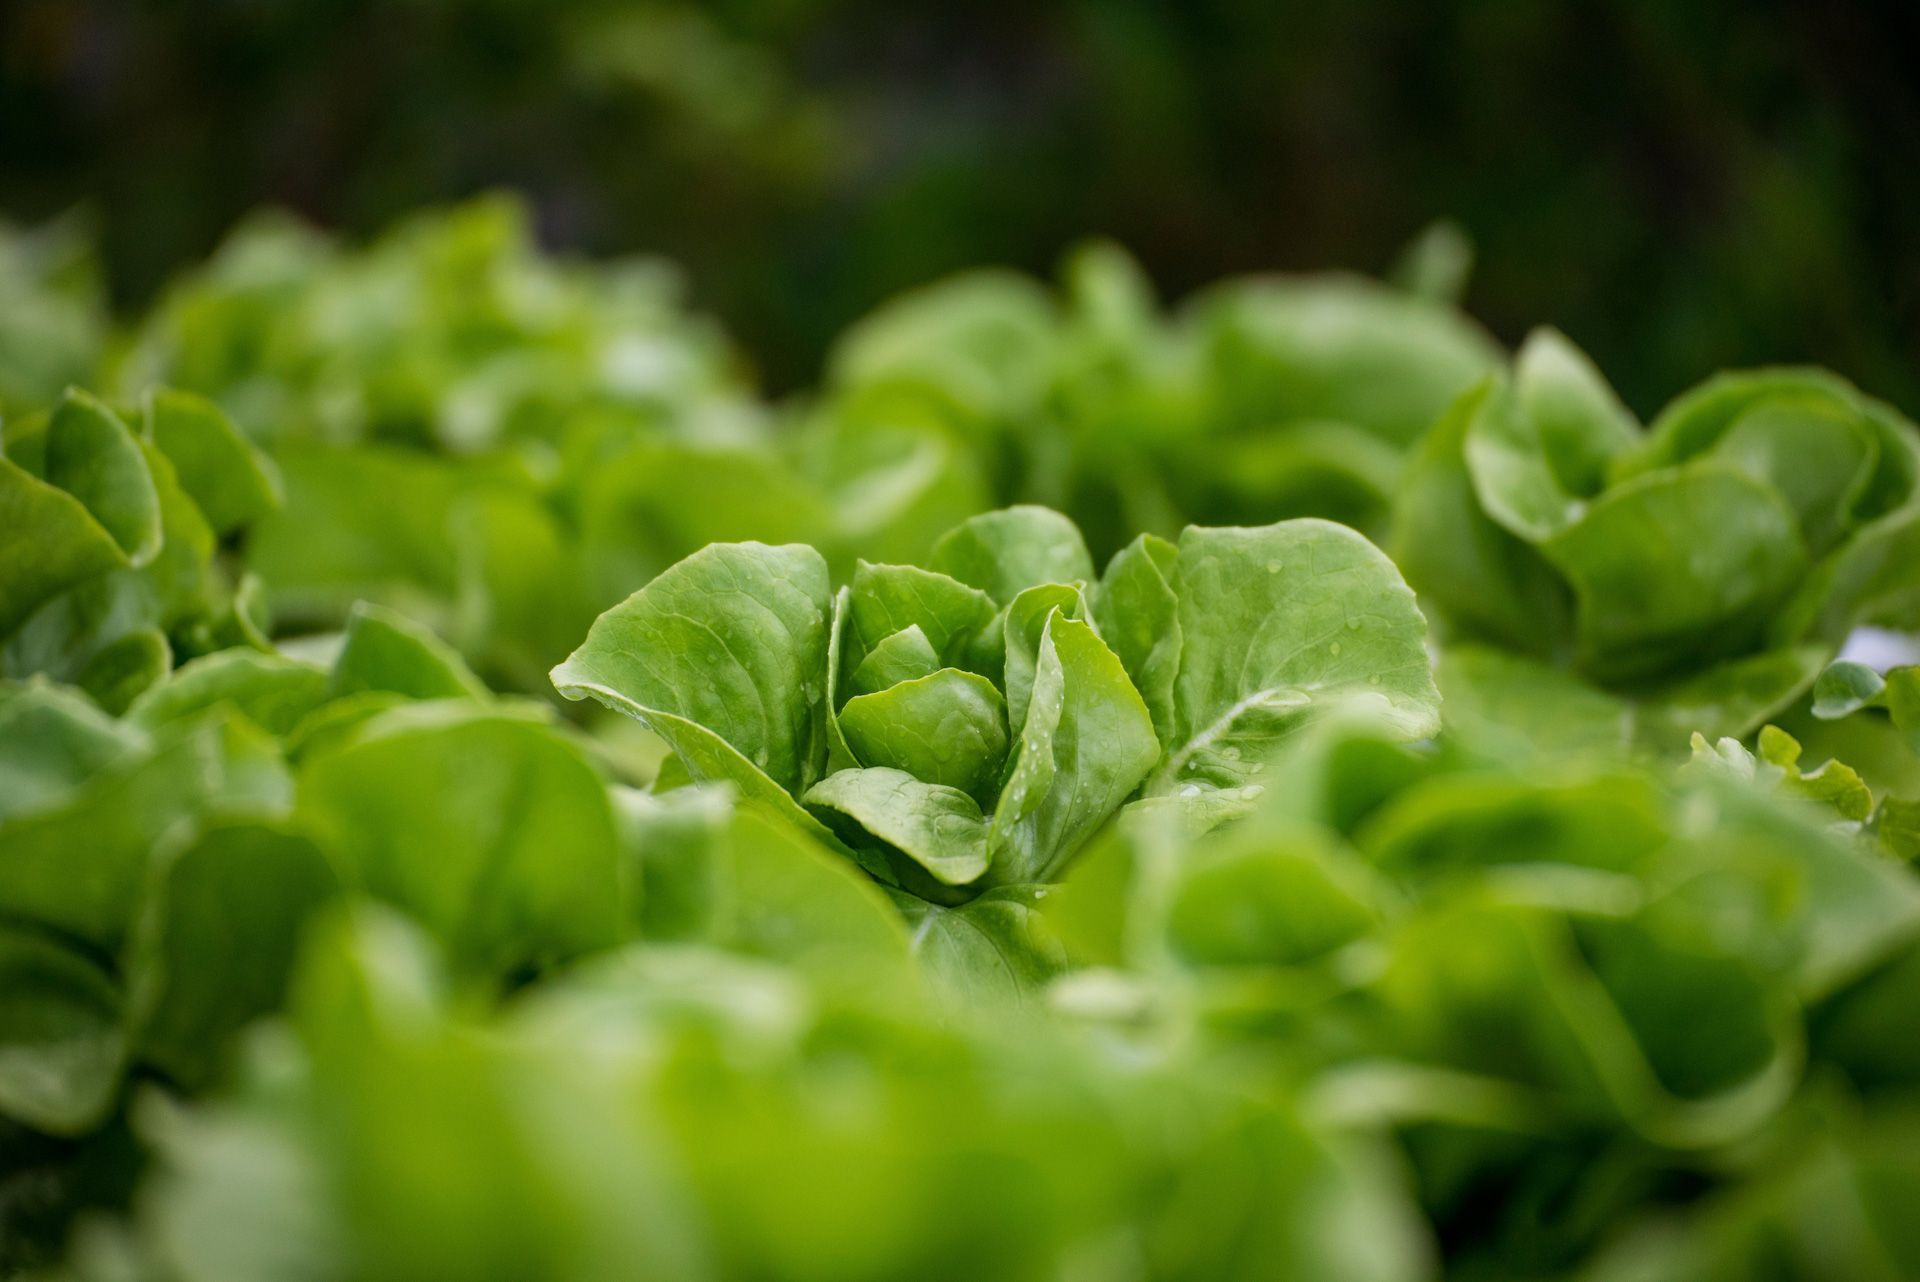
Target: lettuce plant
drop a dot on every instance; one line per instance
(1259, 398)
(109, 556)
(1502, 966)
(1700, 573)
(970, 723)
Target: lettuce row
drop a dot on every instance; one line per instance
(1696, 576)
(1561, 1022)
(566, 429)
(157, 870)
(1260, 398)
(697, 1114)
(1568, 990)
(969, 724)
(561, 430)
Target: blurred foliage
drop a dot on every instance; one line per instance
(1679, 187)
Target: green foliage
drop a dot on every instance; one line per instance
(1700, 573)
(945, 904)
(1261, 398)
(958, 737)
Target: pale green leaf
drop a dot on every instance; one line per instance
(948, 729)
(1005, 552)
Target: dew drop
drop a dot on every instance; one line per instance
(1190, 790)
(1353, 624)
(1334, 648)
(1374, 680)
(1273, 567)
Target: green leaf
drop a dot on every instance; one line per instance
(120, 672)
(322, 550)
(1728, 698)
(49, 543)
(1261, 901)
(217, 939)
(273, 692)
(1436, 263)
(1486, 582)
(658, 501)
(1022, 626)
(947, 729)
(486, 825)
(1513, 477)
(53, 740)
(677, 849)
(940, 828)
(61, 1046)
(1459, 825)
(994, 951)
(233, 483)
(1307, 468)
(92, 456)
(1896, 825)
(887, 599)
(336, 721)
(1845, 688)
(733, 641)
(515, 607)
(1834, 784)
(1819, 455)
(839, 755)
(1277, 622)
(248, 620)
(1677, 566)
(1086, 743)
(793, 900)
(383, 650)
(1517, 707)
(79, 868)
(904, 656)
(112, 631)
(1003, 553)
(1869, 581)
(1138, 614)
(1579, 421)
(1540, 445)
(895, 484)
(978, 345)
(1337, 349)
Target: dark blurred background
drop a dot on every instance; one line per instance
(1680, 184)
